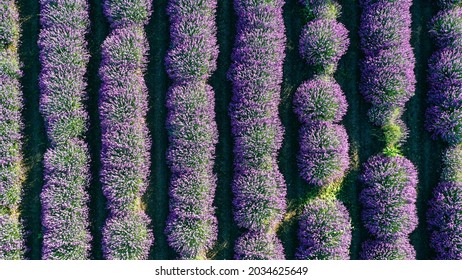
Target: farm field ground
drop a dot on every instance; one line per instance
(420, 148)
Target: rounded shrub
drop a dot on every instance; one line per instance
(399, 249)
(322, 43)
(445, 220)
(123, 13)
(387, 79)
(389, 196)
(9, 27)
(452, 164)
(324, 231)
(327, 9)
(127, 237)
(320, 99)
(258, 246)
(323, 155)
(12, 246)
(384, 26)
(446, 27)
(445, 68)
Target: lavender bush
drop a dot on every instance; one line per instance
(125, 138)
(445, 220)
(256, 73)
(328, 9)
(323, 156)
(320, 99)
(258, 246)
(399, 249)
(446, 27)
(12, 245)
(389, 196)
(322, 43)
(64, 57)
(387, 79)
(452, 165)
(324, 231)
(445, 4)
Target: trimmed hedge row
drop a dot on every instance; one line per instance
(324, 226)
(64, 58)
(11, 162)
(125, 139)
(256, 73)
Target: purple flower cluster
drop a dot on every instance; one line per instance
(325, 228)
(258, 246)
(322, 43)
(11, 161)
(444, 120)
(64, 57)
(387, 79)
(125, 137)
(444, 115)
(399, 249)
(258, 186)
(324, 231)
(388, 204)
(445, 220)
(191, 60)
(323, 156)
(445, 4)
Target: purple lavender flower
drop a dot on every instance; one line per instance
(191, 227)
(322, 43)
(258, 246)
(256, 74)
(389, 196)
(327, 9)
(127, 237)
(64, 202)
(445, 220)
(12, 245)
(384, 25)
(122, 13)
(452, 164)
(324, 231)
(320, 99)
(64, 57)
(445, 68)
(125, 138)
(399, 249)
(323, 156)
(11, 237)
(193, 51)
(446, 4)
(446, 27)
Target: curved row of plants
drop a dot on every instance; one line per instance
(64, 58)
(11, 162)
(387, 82)
(444, 121)
(125, 139)
(320, 104)
(191, 60)
(256, 73)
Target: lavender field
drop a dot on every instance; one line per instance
(230, 129)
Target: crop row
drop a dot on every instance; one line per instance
(11, 162)
(387, 81)
(325, 227)
(444, 120)
(256, 73)
(64, 57)
(125, 137)
(192, 225)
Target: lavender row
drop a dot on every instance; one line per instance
(388, 202)
(11, 161)
(125, 138)
(444, 121)
(191, 225)
(64, 57)
(256, 73)
(387, 82)
(387, 79)
(325, 226)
